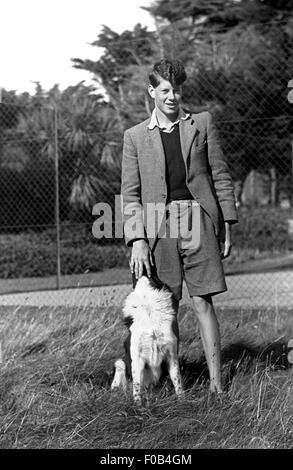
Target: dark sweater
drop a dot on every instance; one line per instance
(175, 166)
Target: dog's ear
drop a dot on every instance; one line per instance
(156, 281)
(128, 321)
(134, 280)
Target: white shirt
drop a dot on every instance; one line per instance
(154, 121)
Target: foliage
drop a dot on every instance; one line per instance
(245, 87)
(221, 13)
(89, 146)
(121, 70)
(238, 55)
(239, 60)
(260, 232)
(34, 254)
(265, 227)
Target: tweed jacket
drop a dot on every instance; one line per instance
(143, 174)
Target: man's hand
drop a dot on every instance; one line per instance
(140, 256)
(228, 242)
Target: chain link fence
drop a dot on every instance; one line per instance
(60, 154)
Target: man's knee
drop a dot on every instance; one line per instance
(202, 304)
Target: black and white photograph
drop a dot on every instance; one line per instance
(146, 229)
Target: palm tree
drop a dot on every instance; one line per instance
(89, 141)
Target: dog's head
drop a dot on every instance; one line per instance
(154, 281)
(149, 297)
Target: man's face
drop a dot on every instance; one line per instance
(167, 97)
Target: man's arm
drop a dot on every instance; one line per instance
(134, 230)
(131, 192)
(220, 173)
(222, 182)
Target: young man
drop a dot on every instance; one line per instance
(174, 160)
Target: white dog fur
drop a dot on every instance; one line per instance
(152, 320)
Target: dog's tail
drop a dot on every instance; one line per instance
(119, 380)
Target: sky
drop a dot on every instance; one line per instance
(39, 37)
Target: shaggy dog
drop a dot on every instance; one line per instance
(153, 338)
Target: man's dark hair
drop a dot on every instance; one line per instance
(171, 70)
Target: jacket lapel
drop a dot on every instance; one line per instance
(187, 130)
(156, 148)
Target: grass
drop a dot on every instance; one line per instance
(56, 372)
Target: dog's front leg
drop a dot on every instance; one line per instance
(174, 372)
(137, 369)
(135, 361)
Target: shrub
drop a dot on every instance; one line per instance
(261, 232)
(263, 228)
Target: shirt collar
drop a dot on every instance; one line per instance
(182, 115)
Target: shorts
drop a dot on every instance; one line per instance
(198, 263)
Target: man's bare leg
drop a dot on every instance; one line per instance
(210, 335)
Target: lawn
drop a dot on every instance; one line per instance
(56, 372)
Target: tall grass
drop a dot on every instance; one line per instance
(56, 372)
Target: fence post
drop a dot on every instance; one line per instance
(273, 185)
(57, 211)
(291, 168)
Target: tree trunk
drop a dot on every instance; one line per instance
(291, 193)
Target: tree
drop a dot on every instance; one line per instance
(122, 70)
(238, 55)
(89, 141)
(220, 13)
(89, 154)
